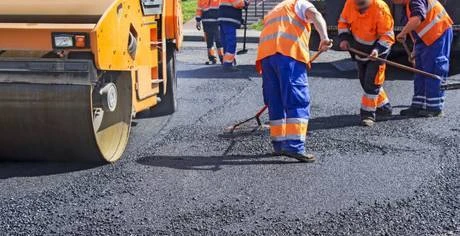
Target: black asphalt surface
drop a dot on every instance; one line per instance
(182, 175)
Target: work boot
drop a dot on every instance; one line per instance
(412, 112)
(211, 62)
(302, 157)
(384, 112)
(367, 121)
(431, 114)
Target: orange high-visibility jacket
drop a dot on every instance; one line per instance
(437, 21)
(376, 25)
(285, 33)
(231, 11)
(239, 4)
(207, 10)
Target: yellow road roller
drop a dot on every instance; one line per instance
(73, 73)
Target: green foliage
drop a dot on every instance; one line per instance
(257, 26)
(189, 9)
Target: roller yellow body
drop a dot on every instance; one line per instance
(125, 45)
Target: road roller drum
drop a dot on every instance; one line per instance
(74, 73)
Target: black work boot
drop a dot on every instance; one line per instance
(212, 61)
(384, 112)
(431, 114)
(302, 157)
(367, 118)
(367, 121)
(412, 112)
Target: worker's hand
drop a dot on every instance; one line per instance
(374, 55)
(401, 37)
(198, 25)
(325, 45)
(345, 45)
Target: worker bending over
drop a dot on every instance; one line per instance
(431, 28)
(367, 25)
(283, 57)
(207, 13)
(230, 18)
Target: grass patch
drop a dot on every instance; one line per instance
(189, 9)
(259, 25)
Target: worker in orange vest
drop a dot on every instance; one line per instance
(207, 14)
(368, 25)
(283, 57)
(430, 27)
(230, 18)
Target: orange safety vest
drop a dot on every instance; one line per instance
(376, 24)
(207, 10)
(436, 22)
(239, 4)
(285, 33)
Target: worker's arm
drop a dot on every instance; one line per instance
(199, 14)
(385, 28)
(315, 16)
(344, 26)
(418, 9)
(412, 25)
(240, 4)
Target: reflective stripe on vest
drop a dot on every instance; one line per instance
(285, 36)
(427, 28)
(376, 24)
(285, 33)
(437, 21)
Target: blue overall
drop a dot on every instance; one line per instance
(285, 90)
(433, 59)
(228, 37)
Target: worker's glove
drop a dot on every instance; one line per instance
(374, 55)
(345, 45)
(198, 25)
(325, 45)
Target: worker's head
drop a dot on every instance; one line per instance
(363, 4)
(400, 1)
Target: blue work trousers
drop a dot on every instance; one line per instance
(285, 90)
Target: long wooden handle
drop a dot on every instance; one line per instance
(408, 51)
(315, 56)
(397, 65)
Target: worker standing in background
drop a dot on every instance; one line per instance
(367, 25)
(207, 14)
(431, 29)
(283, 57)
(230, 17)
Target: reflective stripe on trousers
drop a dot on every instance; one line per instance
(370, 102)
(433, 59)
(228, 36)
(372, 76)
(285, 89)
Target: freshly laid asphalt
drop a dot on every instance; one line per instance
(183, 175)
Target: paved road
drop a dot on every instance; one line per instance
(182, 175)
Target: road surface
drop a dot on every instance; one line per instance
(182, 175)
